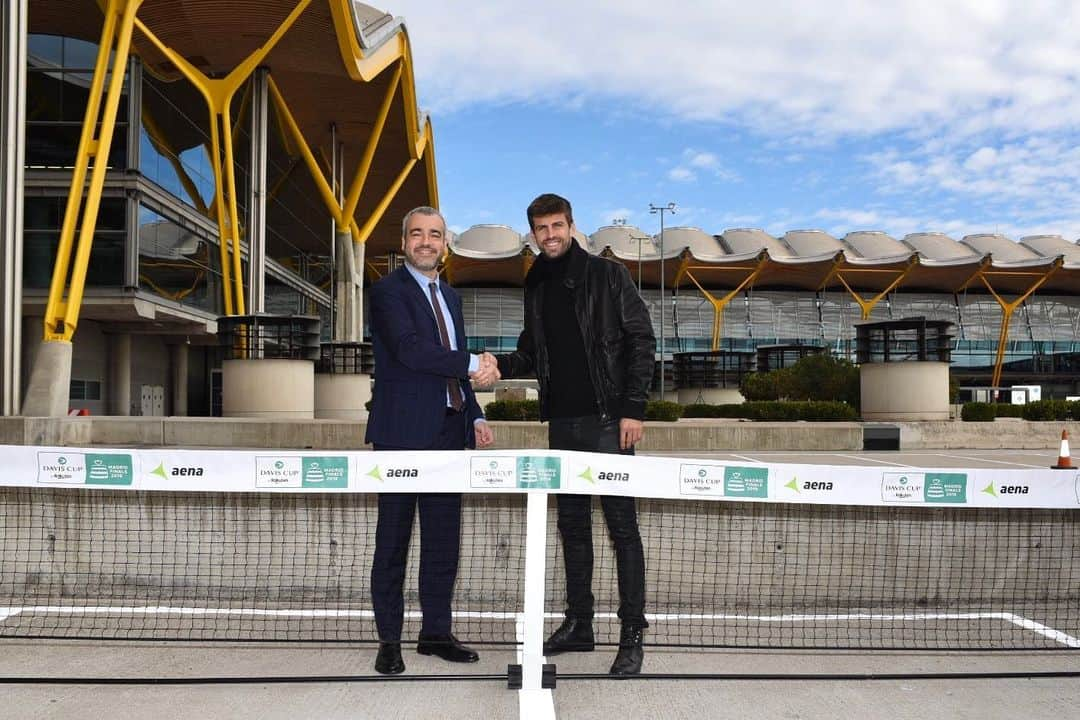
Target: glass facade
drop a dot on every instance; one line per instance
(42, 217)
(58, 76)
(178, 263)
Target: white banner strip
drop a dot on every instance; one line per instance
(514, 471)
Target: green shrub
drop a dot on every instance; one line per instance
(1008, 410)
(704, 410)
(512, 410)
(977, 412)
(814, 377)
(1049, 410)
(663, 411)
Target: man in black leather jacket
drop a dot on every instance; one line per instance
(589, 340)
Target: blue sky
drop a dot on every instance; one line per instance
(959, 117)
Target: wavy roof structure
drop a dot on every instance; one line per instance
(866, 261)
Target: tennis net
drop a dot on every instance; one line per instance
(740, 558)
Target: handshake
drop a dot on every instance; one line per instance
(488, 372)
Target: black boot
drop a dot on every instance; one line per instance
(631, 653)
(574, 635)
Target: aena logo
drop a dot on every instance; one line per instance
(809, 485)
(179, 471)
(1006, 490)
(381, 475)
(604, 476)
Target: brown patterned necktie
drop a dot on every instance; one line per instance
(453, 386)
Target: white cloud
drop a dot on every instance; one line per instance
(694, 161)
(788, 68)
(681, 174)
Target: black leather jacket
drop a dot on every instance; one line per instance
(615, 326)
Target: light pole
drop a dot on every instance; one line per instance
(660, 210)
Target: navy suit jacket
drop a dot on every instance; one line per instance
(412, 366)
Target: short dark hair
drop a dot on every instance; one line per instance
(549, 204)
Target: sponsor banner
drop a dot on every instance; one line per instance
(77, 468)
(534, 470)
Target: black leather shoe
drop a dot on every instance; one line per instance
(574, 635)
(631, 653)
(447, 647)
(388, 661)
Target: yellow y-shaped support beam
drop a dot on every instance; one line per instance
(218, 93)
(720, 303)
(62, 314)
(867, 306)
(343, 214)
(1008, 308)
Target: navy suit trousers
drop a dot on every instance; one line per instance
(440, 540)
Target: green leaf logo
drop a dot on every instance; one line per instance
(989, 490)
(160, 470)
(587, 475)
(794, 485)
(375, 473)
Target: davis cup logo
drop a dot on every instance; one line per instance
(314, 473)
(493, 472)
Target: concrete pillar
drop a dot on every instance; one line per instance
(180, 380)
(119, 375)
(12, 145)
(263, 388)
(256, 201)
(904, 391)
(45, 395)
(345, 268)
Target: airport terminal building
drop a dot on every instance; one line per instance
(256, 157)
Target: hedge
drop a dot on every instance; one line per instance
(813, 410)
(530, 410)
(1038, 410)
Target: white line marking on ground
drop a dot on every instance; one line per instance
(747, 458)
(1049, 632)
(981, 459)
(6, 612)
(890, 463)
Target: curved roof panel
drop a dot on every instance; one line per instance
(750, 241)
(699, 243)
(488, 241)
(1052, 246)
(625, 242)
(872, 245)
(1001, 248)
(812, 243)
(939, 246)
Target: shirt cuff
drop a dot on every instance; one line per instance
(474, 363)
(479, 420)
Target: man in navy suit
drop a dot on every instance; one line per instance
(423, 400)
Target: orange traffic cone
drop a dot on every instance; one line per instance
(1064, 458)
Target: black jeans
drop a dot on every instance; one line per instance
(575, 525)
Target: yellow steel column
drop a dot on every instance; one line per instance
(867, 306)
(62, 315)
(1007, 310)
(353, 197)
(377, 213)
(719, 304)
